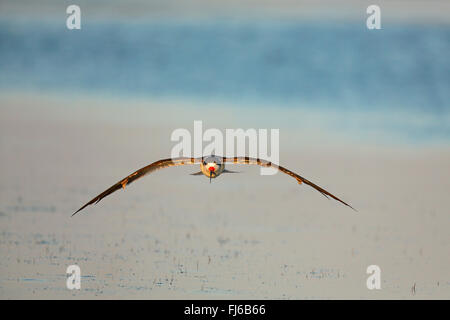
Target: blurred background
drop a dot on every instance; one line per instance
(364, 113)
(288, 55)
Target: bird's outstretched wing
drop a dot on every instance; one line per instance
(300, 179)
(139, 174)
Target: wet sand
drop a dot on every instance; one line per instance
(172, 235)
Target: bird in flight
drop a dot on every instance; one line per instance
(210, 166)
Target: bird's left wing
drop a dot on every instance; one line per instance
(140, 173)
(300, 179)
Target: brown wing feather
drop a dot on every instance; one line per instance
(139, 174)
(300, 179)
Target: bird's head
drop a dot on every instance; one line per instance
(212, 166)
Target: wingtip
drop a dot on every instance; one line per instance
(79, 210)
(345, 203)
(350, 206)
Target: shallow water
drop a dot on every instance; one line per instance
(331, 67)
(172, 235)
(364, 114)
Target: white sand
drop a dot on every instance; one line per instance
(172, 235)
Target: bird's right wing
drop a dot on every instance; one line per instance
(140, 173)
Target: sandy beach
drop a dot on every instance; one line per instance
(172, 235)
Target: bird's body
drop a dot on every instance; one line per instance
(211, 166)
